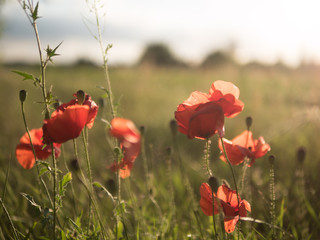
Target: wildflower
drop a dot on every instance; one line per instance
(68, 120)
(244, 146)
(206, 203)
(202, 114)
(24, 152)
(128, 135)
(232, 210)
(226, 200)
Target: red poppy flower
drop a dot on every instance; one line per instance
(24, 152)
(68, 120)
(202, 114)
(244, 146)
(128, 135)
(206, 200)
(229, 204)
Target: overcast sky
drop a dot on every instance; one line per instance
(262, 30)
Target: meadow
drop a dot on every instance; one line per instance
(282, 104)
(141, 152)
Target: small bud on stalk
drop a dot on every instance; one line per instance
(80, 96)
(213, 183)
(249, 122)
(22, 95)
(301, 154)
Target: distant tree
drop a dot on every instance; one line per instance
(158, 54)
(217, 59)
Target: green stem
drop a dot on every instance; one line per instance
(54, 163)
(35, 156)
(10, 220)
(233, 175)
(213, 220)
(206, 153)
(105, 64)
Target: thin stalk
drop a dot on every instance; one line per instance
(72, 187)
(54, 163)
(233, 175)
(206, 156)
(85, 144)
(272, 197)
(104, 58)
(213, 220)
(35, 156)
(10, 220)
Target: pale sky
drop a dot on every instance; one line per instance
(262, 30)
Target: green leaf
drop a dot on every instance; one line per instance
(31, 200)
(64, 182)
(35, 13)
(26, 76)
(78, 229)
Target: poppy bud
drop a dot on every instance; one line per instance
(56, 104)
(249, 122)
(22, 95)
(74, 164)
(213, 183)
(173, 127)
(271, 159)
(81, 96)
(301, 154)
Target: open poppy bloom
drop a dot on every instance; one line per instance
(68, 120)
(232, 211)
(24, 152)
(226, 199)
(244, 146)
(206, 200)
(130, 140)
(202, 115)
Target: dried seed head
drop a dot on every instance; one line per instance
(173, 127)
(213, 183)
(22, 95)
(301, 154)
(249, 122)
(80, 96)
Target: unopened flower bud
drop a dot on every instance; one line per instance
(173, 127)
(56, 105)
(74, 164)
(213, 183)
(272, 159)
(249, 122)
(168, 151)
(101, 102)
(22, 95)
(142, 129)
(80, 96)
(301, 154)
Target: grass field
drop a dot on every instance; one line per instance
(284, 105)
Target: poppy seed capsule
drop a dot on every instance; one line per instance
(249, 122)
(213, 183)
(271, 159)
(80, 96)
(22, 95)
(301, 154)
